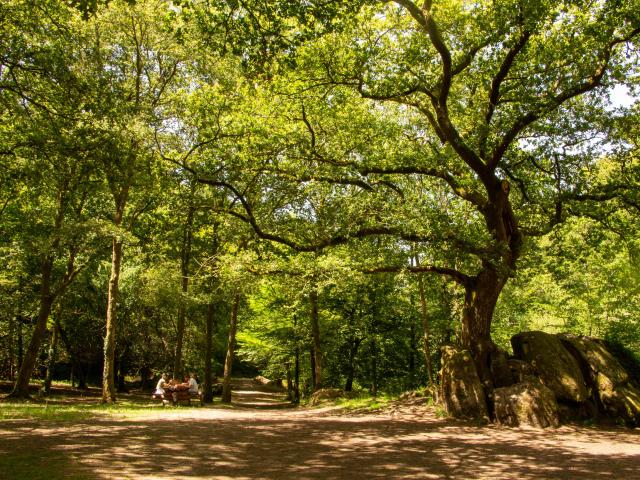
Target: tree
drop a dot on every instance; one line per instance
(135, 68)
(492, 105)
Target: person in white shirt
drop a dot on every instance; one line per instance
(193, 384)
(160, 386)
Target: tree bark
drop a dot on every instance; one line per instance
(351, 371)
(108, 384)
(12, 322)
(233, 325)
(47, 296)
(296, 377)
(185, 257)
(207, 387)
(374, 366)
(52, 354)
(21, 387)
(20, 342)
(315, 332)
(425, 331)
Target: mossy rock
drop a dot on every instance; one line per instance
(618, 398)
(527, 403)
(553, 364)
(461, 390)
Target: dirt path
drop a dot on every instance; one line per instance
(246, 442)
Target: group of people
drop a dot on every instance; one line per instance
(173, 387)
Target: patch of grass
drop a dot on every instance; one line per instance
(63, 410)
(364, 403)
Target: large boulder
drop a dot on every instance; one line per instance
(619, 399)
(553, 364)
(520, 370)
(325, 394)
(527, 403)
(461, 390)
(602, 366)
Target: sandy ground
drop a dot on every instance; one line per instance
(257, 440)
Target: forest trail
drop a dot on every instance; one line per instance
(247, 393)
(253, 440)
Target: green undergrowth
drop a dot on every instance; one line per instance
(367, 403)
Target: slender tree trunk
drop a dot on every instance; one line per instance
(185, 257)
(52, 354)
(108, 384)
(233, 325)
(20, 342)
(21, 387)
(353, 350)
(312, 365)
(315, 331)
(289, 382)
(425, 332)
(374, 366)
(12, 360)
(412, 356)
(296, 376)
(207, 387)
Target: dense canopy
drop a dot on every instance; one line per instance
(349, 185)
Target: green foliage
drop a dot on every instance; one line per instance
(300, 147)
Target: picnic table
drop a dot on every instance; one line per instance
(175, 394)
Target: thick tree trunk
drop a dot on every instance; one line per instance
(108, 384)
(207, 387)
(233, 325)
(315, 332)
(482, 291)
(145, 373)
(21, 387)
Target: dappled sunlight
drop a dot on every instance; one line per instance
(260, 441)
(218, 443)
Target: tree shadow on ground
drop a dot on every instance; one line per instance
(279, 444)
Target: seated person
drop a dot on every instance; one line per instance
(161, 384)
(193, 384)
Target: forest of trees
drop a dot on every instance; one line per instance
(335, 189)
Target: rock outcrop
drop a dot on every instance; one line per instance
(527, 403)
(552, 363)
(609, 380)
(461, 390)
